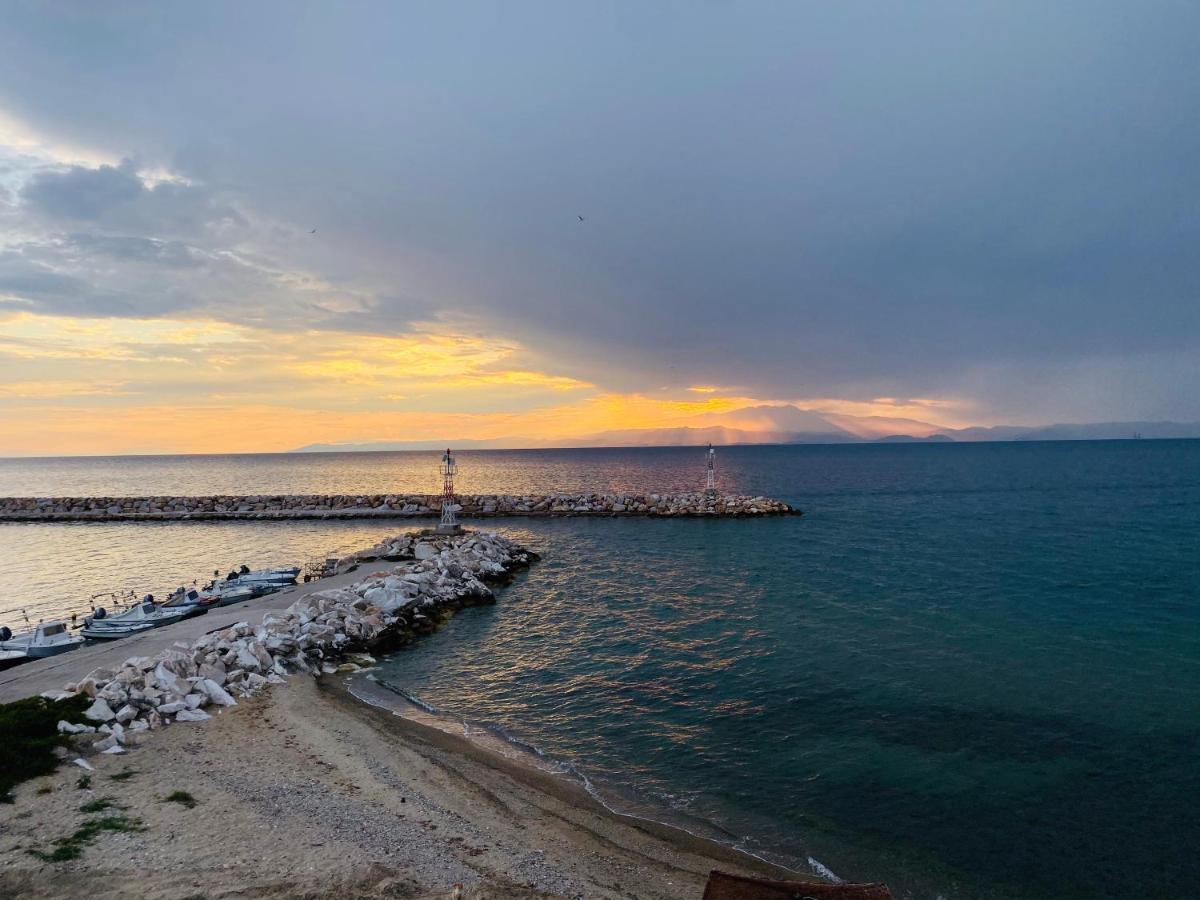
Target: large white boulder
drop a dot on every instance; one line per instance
(246, 658)
(166, 680)
(100, 711)
(216, 693)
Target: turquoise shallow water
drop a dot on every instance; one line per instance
(970, 670)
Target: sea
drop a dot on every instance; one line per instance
(968, 670)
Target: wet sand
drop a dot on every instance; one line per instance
(307, 792)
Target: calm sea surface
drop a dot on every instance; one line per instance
(970, 670)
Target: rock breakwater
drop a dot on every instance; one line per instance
(384, 610)
(351, 506)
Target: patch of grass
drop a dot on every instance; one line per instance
(84, 782)
(30, 729)
(181, 797)
(124, 776)
(97, 806)
(68, 848)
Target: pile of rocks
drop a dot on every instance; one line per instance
(384, 610)
(345, 506)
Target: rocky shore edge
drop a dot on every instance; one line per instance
(352, 506)
(317, 634)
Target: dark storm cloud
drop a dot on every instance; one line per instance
(800, 199)
(83, 193)
(117, 197)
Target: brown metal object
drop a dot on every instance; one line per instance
(722, 886)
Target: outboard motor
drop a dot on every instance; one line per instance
(5, 633)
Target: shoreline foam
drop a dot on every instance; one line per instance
(639, 809)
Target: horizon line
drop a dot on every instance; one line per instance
(905, 442)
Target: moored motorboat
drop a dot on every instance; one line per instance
(280, 576)
(93, 633)
(224, 595)
(188, 601)
(45, 639)
(10, 658)
(222, 592)
(140, 617)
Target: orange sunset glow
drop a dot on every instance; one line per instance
(81, 385)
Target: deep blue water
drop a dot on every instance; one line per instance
(970, 670)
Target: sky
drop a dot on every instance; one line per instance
(250, 227)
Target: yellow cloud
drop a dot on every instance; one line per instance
(41, 390)
(91, 385)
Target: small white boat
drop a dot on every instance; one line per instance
(228, 592)
(138, 618)
(281, 576)
(46, 639)
(112, 634)
(9, 658)
(188, 601)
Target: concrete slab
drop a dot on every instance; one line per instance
(31, 678)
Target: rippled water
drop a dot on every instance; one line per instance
(970, 670)
(491, 471)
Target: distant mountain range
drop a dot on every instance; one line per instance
(793, 425)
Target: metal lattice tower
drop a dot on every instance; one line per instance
(449, 468)
(711, 489)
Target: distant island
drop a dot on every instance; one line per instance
(786, 424)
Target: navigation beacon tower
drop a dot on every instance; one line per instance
(710, 490)
(449, 468)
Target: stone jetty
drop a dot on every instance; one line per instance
(315, 635)
(361, 506)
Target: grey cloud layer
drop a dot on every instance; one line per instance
(801, 200)
(117, 198)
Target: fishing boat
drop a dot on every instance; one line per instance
(226, 592)
(188, 601)
(142, 616)
(281, 576)
(45, 639)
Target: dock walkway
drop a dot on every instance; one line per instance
(32, 678)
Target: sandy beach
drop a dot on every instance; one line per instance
(308, 792)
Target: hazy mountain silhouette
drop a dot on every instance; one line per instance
(787, 424)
